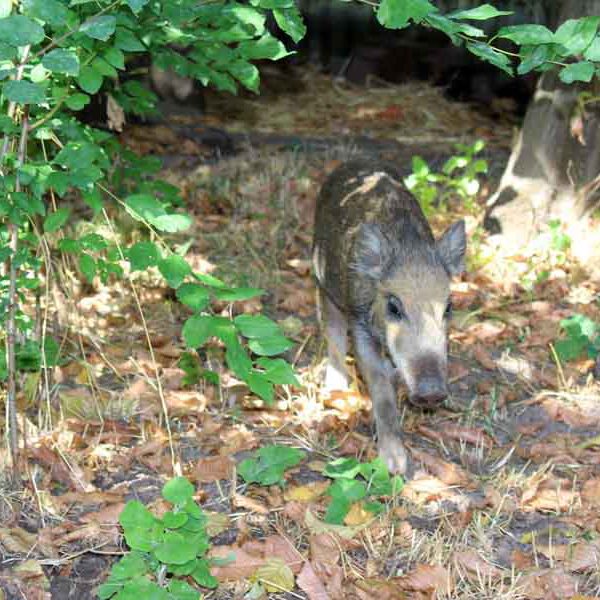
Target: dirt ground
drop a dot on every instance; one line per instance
(504, 495)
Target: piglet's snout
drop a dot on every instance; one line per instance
(430, 388)
(430, 393)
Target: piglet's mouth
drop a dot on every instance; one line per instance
(429, 394)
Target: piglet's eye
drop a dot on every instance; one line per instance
(448, 311)
(395, 309)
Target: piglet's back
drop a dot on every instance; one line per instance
(360, 192)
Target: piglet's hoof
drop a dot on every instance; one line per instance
(393, 453)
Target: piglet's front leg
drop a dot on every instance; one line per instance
(378, 373)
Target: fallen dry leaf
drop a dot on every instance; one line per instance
(475, 567)
(358, 515)
(275, 575)
(590, 493)
(447, 472)
(250, 504)
(306, 493)
(429, 578)
(548, 584)
(310, 584)
(213, 468)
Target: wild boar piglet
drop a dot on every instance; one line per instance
(383, 277)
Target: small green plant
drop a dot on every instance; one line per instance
(582, 336)
(268, 464)
(457, 179)
(355, 481)
(165, 552)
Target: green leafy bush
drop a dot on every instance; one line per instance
(354, 481)
(581, 338)
(458, 179)
(166, 552)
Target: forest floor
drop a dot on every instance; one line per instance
(504, 497)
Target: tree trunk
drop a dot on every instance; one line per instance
(555, 163)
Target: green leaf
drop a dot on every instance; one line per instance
(202, 576)
(49, 11)
(77, 101)
(270, 346)
(348, 489)
(173, 520)
(337, 510)
(581, 71)
(575, 35)
(234, 294)
(193, 295)
(290, 21)
(127, 41)
(172, 223)
(346, 468)
(18, 30)
(174, 550)
(24, 92)
(115, 57)
(527, 34)
(87, 265)
(396, 14)
(178, 491)
(104, 68)
(143, 207)
(593, 52)
(278, 371)
(266, 47)
(100, 27)
(136, 5)
(181, 590)
(135, 514)
(130, 566)
(534, 58)
(261, 386)
(268, 465)
(61, 61)
(237, 358)
(56, 219)
(174, 269)
(197, 329)
(256, 326)
(490, 55)
(89, 80)
(480, 13)
(142, 255)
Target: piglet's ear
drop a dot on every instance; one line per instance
(452, 246)
(371, 252)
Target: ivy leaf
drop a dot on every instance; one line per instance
(24, 92)
(61, 61)
(99, 27)
(19, 30)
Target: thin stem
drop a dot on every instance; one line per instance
(11, 325)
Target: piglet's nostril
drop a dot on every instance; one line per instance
(429, 393)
